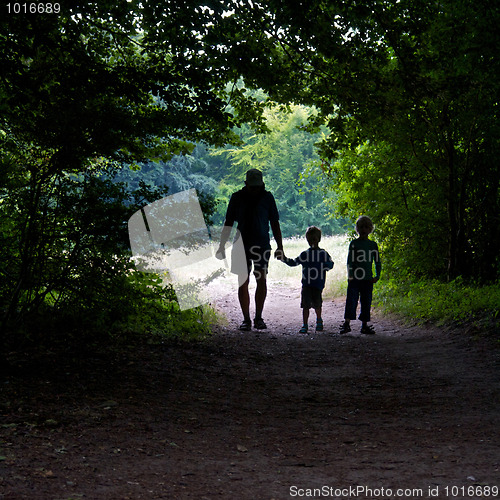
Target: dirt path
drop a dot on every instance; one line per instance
(268, 415)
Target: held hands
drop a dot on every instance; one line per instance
(279, 254)
(221, 253)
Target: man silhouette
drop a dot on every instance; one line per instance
(254, 209)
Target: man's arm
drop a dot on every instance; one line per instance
(276, 229)
(226, 230)
(224, 236)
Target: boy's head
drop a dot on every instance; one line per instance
(364, 225)
(313, 235)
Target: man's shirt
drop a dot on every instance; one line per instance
(253, 213)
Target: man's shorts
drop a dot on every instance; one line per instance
(256, 257)
(311, 298)
(259, 258)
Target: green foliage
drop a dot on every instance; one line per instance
(442, 303)
(65, 259)
(153, 311)
(180, 173)
(286, 156)
(119, 81)
(400, 196)
(64, 240)
(64, 252)
(415, 84)
(95, 84)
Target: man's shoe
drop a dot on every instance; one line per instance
(259, 324)
(246, 325)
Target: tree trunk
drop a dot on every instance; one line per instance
(453, 216)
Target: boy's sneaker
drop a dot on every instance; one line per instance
(368, 330)
(319, 325)
(345, 327)
(303, 329)
(259, 324)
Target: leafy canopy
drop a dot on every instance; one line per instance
(410, 91)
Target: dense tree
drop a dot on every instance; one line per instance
(121, 80)
(410, 91)
(116, 79)
(287, 156)
(179, 173)
(63, 245)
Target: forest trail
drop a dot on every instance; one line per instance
(263, 415)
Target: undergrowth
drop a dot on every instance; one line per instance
(156, 314)
(143, 309)
(455, 302)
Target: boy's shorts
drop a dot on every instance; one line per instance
(311, 297)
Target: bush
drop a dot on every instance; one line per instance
(433, 300)
(65, 266)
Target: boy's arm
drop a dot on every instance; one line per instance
(291, 262)
(378, 264)
(329, 261)
(350, 272)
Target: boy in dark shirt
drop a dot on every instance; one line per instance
(315, 263)
(363, 253)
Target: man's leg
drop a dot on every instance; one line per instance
(260, 292)
(260, 261)
(243, 295)
(244, 298)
